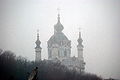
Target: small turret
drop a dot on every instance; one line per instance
(80, 41)
(38, 48)
(80, 47)
(80, 52)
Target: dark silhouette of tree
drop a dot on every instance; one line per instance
(19, 68)
(1, 51)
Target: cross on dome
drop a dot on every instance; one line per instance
(58, 27)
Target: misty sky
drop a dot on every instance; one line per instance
(99, 20)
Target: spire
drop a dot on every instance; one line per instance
(80, 39)
(58, 17)
(38, 34)
(79, 33)
(58, 27)
(58, 14)
(38, 41)
(38, 48)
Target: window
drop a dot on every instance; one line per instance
(65, 53)
(50, 54)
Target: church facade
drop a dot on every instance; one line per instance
(59, 49)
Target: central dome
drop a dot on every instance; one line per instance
(57, 38)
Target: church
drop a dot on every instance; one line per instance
(59, 49)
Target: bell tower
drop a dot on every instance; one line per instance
(38, 48)
(80, 47)
(80, 52)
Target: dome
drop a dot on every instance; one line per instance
(57, 38)
(58, 27)
(38, 42)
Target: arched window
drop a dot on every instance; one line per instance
(50, 54)
(65, 53)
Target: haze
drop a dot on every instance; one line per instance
(99, 20)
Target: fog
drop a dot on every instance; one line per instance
(98, 19)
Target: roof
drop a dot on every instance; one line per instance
(58, 38)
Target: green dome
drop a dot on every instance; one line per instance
(57, 38)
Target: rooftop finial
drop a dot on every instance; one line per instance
(38, 41)
(37, 33)
(80, 39)
(79, 32)
(58, 9)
